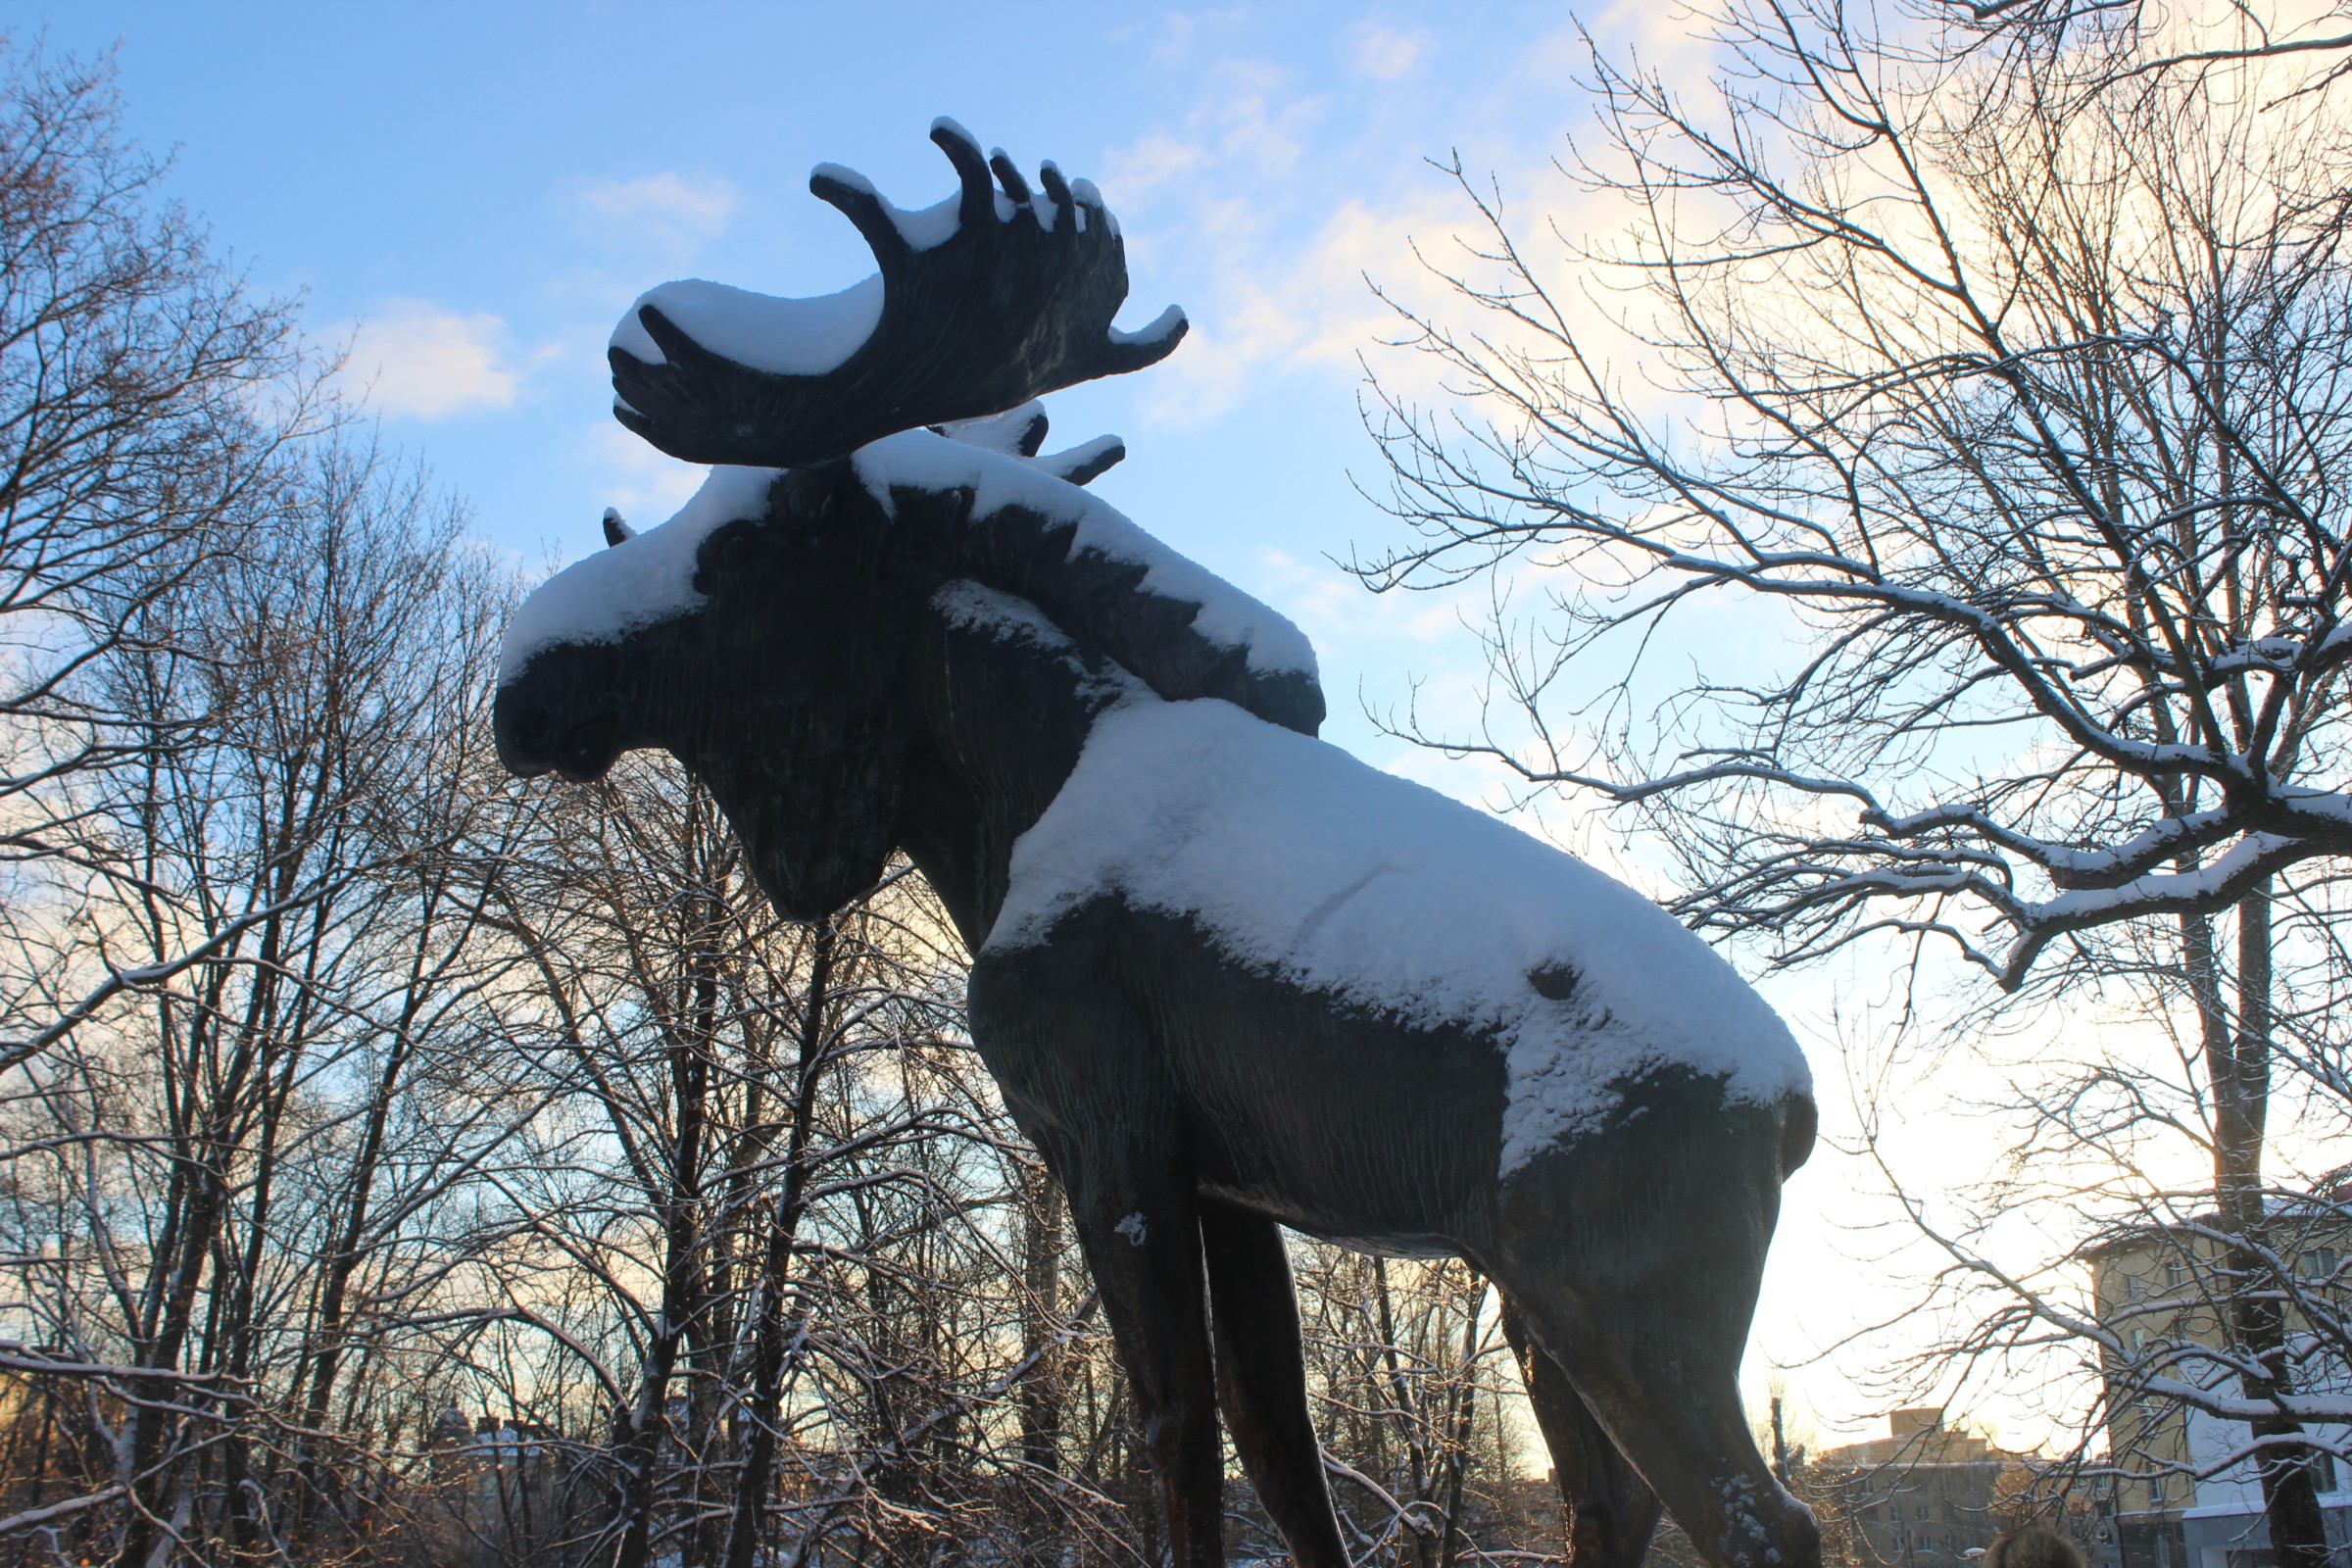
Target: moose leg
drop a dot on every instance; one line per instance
(1261, 1379)
(1141, 1239)
(1671, 1402)
(1611, 1511)
(1080, 1074)
(1635, 1254)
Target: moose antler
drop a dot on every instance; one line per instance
(1012, 299)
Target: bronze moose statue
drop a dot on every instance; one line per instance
(1227, 977)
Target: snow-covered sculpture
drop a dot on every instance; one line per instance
(1227, 976)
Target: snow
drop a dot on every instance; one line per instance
(2224, 1488)
(2206, 881)
(2265, 656)
(1301, 862)
(785, 338)
(1158, 327)
(811, 336)
(1076, 459)
(650, 576)
(926, 227)
(646, 578)
(1007, 617)
(917, 460)
(1049, 212)
(1003, 433)
(997, 432)
(1083, 192)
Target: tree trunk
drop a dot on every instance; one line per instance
(2237, 1064)
(1458, 1459)
(1415, 1536)
(776, 1334)
(1040, 1390)
(637, 1433)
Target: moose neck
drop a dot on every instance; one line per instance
(1005, 702)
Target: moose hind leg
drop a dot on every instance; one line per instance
(1634, 1255)
(1612, 1513)
(1665, 1389)
(1262, 1379)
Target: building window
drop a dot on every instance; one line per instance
(1922, 1513)
(2176, 1275)
(2319, 1263)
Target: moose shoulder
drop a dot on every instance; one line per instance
(1226, 976)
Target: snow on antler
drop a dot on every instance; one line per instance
(990, 299)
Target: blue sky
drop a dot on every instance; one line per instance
(468, 196)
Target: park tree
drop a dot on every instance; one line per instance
(2010, 391)
(149, 403)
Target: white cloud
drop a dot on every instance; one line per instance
(1152, 162)
(1385, 54)
(419, 360)
(669, 210)
(1268, 205)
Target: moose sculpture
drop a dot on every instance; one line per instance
(1227, 977)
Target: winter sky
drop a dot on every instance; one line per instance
(467, 196)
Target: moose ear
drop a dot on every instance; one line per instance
(1083, 465)
(617, 527)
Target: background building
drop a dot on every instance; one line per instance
(2182, 1506)
(1924, 1496)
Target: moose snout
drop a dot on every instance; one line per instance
(536, 735)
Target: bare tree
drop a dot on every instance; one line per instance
(146, 402)
(2106, 43)
(1408, 1366)
(2018, 405)
(273, 872)
(145, 398)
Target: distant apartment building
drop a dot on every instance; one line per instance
(2151, 1287)
(1925, 1496)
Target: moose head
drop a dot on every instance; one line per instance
(760, 636)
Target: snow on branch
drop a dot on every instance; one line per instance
(2057, 598)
